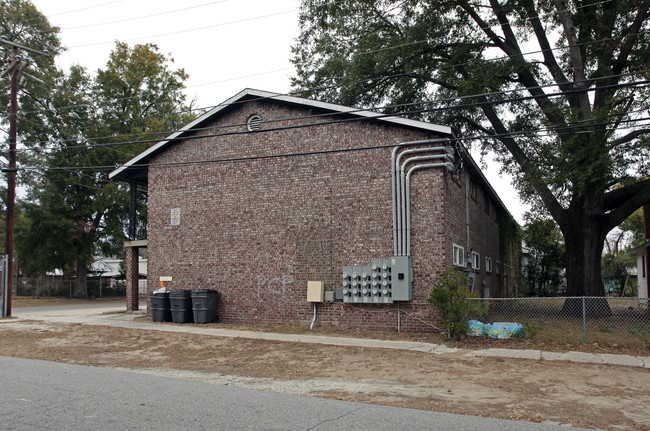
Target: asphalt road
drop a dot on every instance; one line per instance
(41, 395)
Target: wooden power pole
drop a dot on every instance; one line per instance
(15, 68)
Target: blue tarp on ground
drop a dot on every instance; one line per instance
(497, 330)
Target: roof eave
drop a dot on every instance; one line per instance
(139, 162)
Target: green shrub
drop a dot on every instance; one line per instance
(451, 296)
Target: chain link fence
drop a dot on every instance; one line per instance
(621, 322)
(58, 287)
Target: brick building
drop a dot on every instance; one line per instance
(267, 192)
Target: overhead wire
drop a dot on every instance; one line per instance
(455, 65)
(142, 16)
(190, 110)
(309, 153)
(84, 8)
(418, 42)
(379, 115)
(173, 33)
(426, 102)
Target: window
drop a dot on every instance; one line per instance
(476, 260)
(486, 203)
(488, 264)
(498, 267)
(459, 255)
(472, 189)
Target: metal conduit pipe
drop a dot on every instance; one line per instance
(404, 203)
(399, 202)
(447, 165)
(314, 319)
(394, 179)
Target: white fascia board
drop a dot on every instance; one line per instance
(354, 111)
(154, 148)
(284, 98)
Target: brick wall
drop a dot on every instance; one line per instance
(257, 228)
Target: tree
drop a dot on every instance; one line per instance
(22, 23)
(617, 260)
(78, 211)
(544, 257)
(555, 88)
(632, 230)
(615, 270)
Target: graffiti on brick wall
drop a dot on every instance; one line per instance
(276, 285)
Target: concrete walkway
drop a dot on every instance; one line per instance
(114, 315)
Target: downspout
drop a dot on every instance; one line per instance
(467, 211)
(395, 183)
(467, 224)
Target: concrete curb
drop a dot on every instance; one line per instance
(112, 316)
(581, 357)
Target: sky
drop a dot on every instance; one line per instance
(224, 46)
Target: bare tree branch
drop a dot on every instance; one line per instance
(549, 58)
(629, 137)
(624, 201)
(632, 37)
(577, 63)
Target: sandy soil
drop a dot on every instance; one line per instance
(586, 395)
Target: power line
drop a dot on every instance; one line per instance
(85, 8)
(70, 169)
(188, 30)
(472, 96)
(422, 111)
(347, 84)
(538, 133)
(142, 16)
(373, 51)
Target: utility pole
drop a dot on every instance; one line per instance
(15, 68)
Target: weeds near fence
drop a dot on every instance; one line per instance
(451, 296)
(612, 322)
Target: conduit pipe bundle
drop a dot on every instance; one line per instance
(401, 177)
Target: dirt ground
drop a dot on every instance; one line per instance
(586, 395)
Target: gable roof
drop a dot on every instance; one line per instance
(136, 169)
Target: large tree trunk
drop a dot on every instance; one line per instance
(81, 284)
(584, 241)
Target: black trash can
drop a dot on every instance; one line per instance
(160, 307)
(181, 306)
(204, 305)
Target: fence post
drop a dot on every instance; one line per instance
(584, 321)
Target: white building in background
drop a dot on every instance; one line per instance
(109, 268)
(642, 271)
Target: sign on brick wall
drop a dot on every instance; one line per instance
(176, 216)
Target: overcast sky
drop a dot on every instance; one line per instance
(224, 45)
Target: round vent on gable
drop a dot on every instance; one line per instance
(254, 123)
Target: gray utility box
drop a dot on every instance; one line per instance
(402, 278)
(385, 281)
